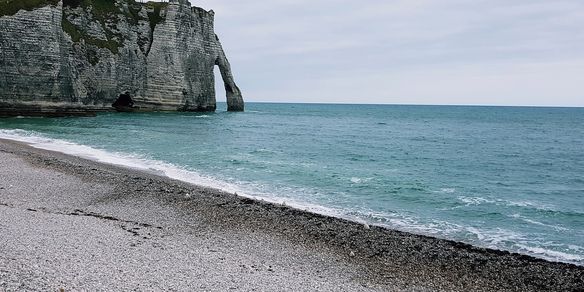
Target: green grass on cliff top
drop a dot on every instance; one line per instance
(100, 7)
(104, 9)
(154, 16)
(10, 7)
(107, 12)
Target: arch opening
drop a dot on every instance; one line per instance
(220, 93)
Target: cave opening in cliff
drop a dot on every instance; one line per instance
(124, 101)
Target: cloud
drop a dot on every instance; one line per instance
(405, 51)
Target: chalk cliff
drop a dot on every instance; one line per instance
(77, 56)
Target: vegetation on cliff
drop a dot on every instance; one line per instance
(10, 7)
(154, 15)
(83, 53)
(77, 35)
(108, 13)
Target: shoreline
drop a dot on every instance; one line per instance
(375, 258)
(173, 172)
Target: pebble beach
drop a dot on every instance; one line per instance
(71, 224)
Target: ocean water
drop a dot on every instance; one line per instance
(510, 178)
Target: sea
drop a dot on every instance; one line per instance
(509, 178)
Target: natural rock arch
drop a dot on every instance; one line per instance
(233, 94)
(163, 53)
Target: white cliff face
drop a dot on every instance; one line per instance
(30, 56)
(71, 57)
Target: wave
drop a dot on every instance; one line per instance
(506, 203)
(526, 205)
(447, 190)
(549, 254)
(400, 221)
(522, 243)
(360, 180)
(128, 160)
(474, 200)
(139, 162)
(534, 222)
(497, 237)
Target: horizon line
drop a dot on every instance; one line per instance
(417, 104)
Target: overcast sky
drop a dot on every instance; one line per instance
(500, 52)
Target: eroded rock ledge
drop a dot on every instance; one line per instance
(78, 56)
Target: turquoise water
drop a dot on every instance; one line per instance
(503, 177)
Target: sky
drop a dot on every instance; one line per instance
(480, 52)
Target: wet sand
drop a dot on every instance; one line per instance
(74, 224)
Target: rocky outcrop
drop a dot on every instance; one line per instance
(80, 55)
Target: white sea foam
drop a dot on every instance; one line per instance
(447, 190)
(358, 180)
(496, 238)
(154, 166)
(474, 200)
(397, 220)
(531, 221)
(120, 159)
(551, 254)
(528, 204)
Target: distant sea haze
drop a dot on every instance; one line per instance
(510, 178)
